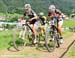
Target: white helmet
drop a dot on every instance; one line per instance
(52, 7)
(41, 14)
(27, 6)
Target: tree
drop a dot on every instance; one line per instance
(3, 7)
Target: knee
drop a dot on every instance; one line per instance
(59, 27)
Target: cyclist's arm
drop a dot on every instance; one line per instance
(44, 17)
(49, 16)
(61, 15)
(64, 16)
(35, 17)
(23, 17)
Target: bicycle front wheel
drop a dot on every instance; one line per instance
(21, 37)
(50, 41)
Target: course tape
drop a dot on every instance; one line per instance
(10, 23)
(16, 23)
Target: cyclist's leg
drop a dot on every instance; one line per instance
(34, 30)
(60, 23)
(60, 30)
(35, 34)
(42, 30)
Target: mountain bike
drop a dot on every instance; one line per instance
(22, 35)
(52, 37)
(41, 36)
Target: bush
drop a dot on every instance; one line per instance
(12, 17)
(9, 26)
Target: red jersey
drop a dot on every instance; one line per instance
(57, 13)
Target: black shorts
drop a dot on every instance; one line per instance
(33, 21)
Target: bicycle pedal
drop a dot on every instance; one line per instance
(34, 44)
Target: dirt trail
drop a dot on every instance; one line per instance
(33, 53)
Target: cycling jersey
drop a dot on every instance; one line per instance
(56, 14)
(31, 15)
(43, 19)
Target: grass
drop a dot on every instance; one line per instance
(69, 23)
(5, 38)
(71, 52)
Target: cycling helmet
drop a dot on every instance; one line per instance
(27, 6)
(52, 7)
(41, 14)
